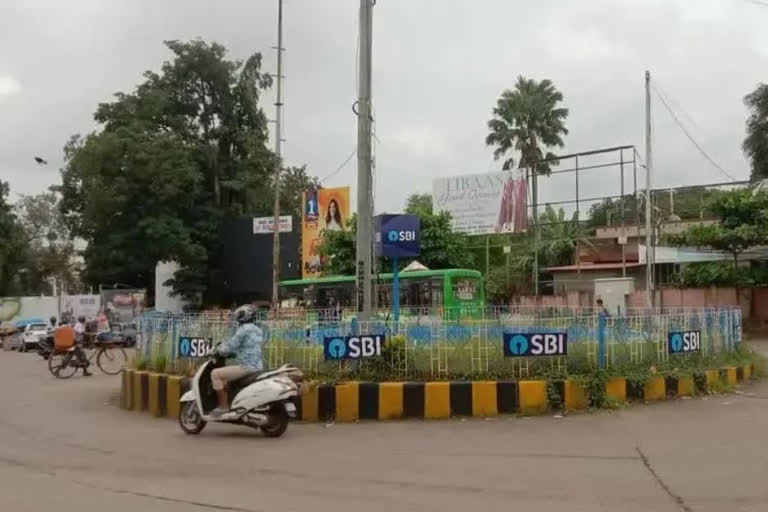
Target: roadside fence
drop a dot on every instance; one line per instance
(435, 346)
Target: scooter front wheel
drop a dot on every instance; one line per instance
(190, 420)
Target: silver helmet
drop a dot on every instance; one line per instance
(244, 314)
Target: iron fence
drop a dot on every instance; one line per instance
(431, 346)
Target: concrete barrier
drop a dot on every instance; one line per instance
(359, 401)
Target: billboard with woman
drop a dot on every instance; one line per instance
(326, 208)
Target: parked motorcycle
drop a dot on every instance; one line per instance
(264, 400)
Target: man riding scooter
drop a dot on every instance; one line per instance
(245, 347)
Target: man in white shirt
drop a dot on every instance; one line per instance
(79, 352)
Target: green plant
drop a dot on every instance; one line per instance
(595, 384)
(159, 363)
(555, 392)
(140, 362)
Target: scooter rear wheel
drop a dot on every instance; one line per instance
(278, 422)
(190, 420)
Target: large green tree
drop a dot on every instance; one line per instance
(11, 244)
(170, 162)
(755, 145)
(743, 224)
(527, 121)
(48, 246)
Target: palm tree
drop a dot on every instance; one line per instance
(755, 146)
(527, 120)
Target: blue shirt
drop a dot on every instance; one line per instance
(245, 345)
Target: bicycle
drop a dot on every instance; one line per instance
(110, 358)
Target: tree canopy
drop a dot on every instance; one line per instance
(743, 224)
(37, 246)
(755, 144)
(528, 120)
(11, 237)
(170, 162)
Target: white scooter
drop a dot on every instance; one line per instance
(262, 400)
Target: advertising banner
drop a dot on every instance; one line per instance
(327, 208)
(336, 348)
(535, 344)
(74, 306)
(684, 342)
(481, 204)
(266, 225)
(122, 306)
(397, 236)
(195, 347)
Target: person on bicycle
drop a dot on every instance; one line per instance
(245, 347)
(79, 352)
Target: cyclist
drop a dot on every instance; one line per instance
(245, 346)
(79, 352)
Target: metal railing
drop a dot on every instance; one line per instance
(431, 346)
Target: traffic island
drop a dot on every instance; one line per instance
(159, 394)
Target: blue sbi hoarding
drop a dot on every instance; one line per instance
(397, 236)
(529, 344)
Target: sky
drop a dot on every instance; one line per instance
(438, 68)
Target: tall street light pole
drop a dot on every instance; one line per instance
(364, 180)
(648, 212)
(279, 160)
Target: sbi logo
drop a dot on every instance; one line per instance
(684, 342)
(401, 236)
(337, 348)
(195, 347)
(535, 344)
(518, 344)
(352, 347)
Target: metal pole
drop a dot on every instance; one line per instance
(487, 256)
(648, 169)
(278, 162)
(578, 223)
(396, 291)
(623, 221)
(364, 185)
(637, 199)
(535, 235)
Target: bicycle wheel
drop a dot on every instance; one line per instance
(111, 360)
(60, 364)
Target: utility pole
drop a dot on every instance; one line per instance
(279, 162)
(364, 181)
(648, 211)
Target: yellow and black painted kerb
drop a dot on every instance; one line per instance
(352, 401)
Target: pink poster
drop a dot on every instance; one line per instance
(513, 207)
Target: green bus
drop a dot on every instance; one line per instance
(448, 293)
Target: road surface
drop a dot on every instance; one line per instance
(65, 446)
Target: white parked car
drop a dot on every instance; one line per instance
(28, 338)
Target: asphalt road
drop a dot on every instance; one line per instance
(64, 445)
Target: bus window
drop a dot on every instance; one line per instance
(437, 292)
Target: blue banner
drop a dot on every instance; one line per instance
(195, 347)
(684, 342)
(398, 236)
(336, 348)
(527, 344)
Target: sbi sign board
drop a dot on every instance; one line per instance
(195, 347)
(336, 348)
(684, 342)
(526, 344)
(397, 236)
